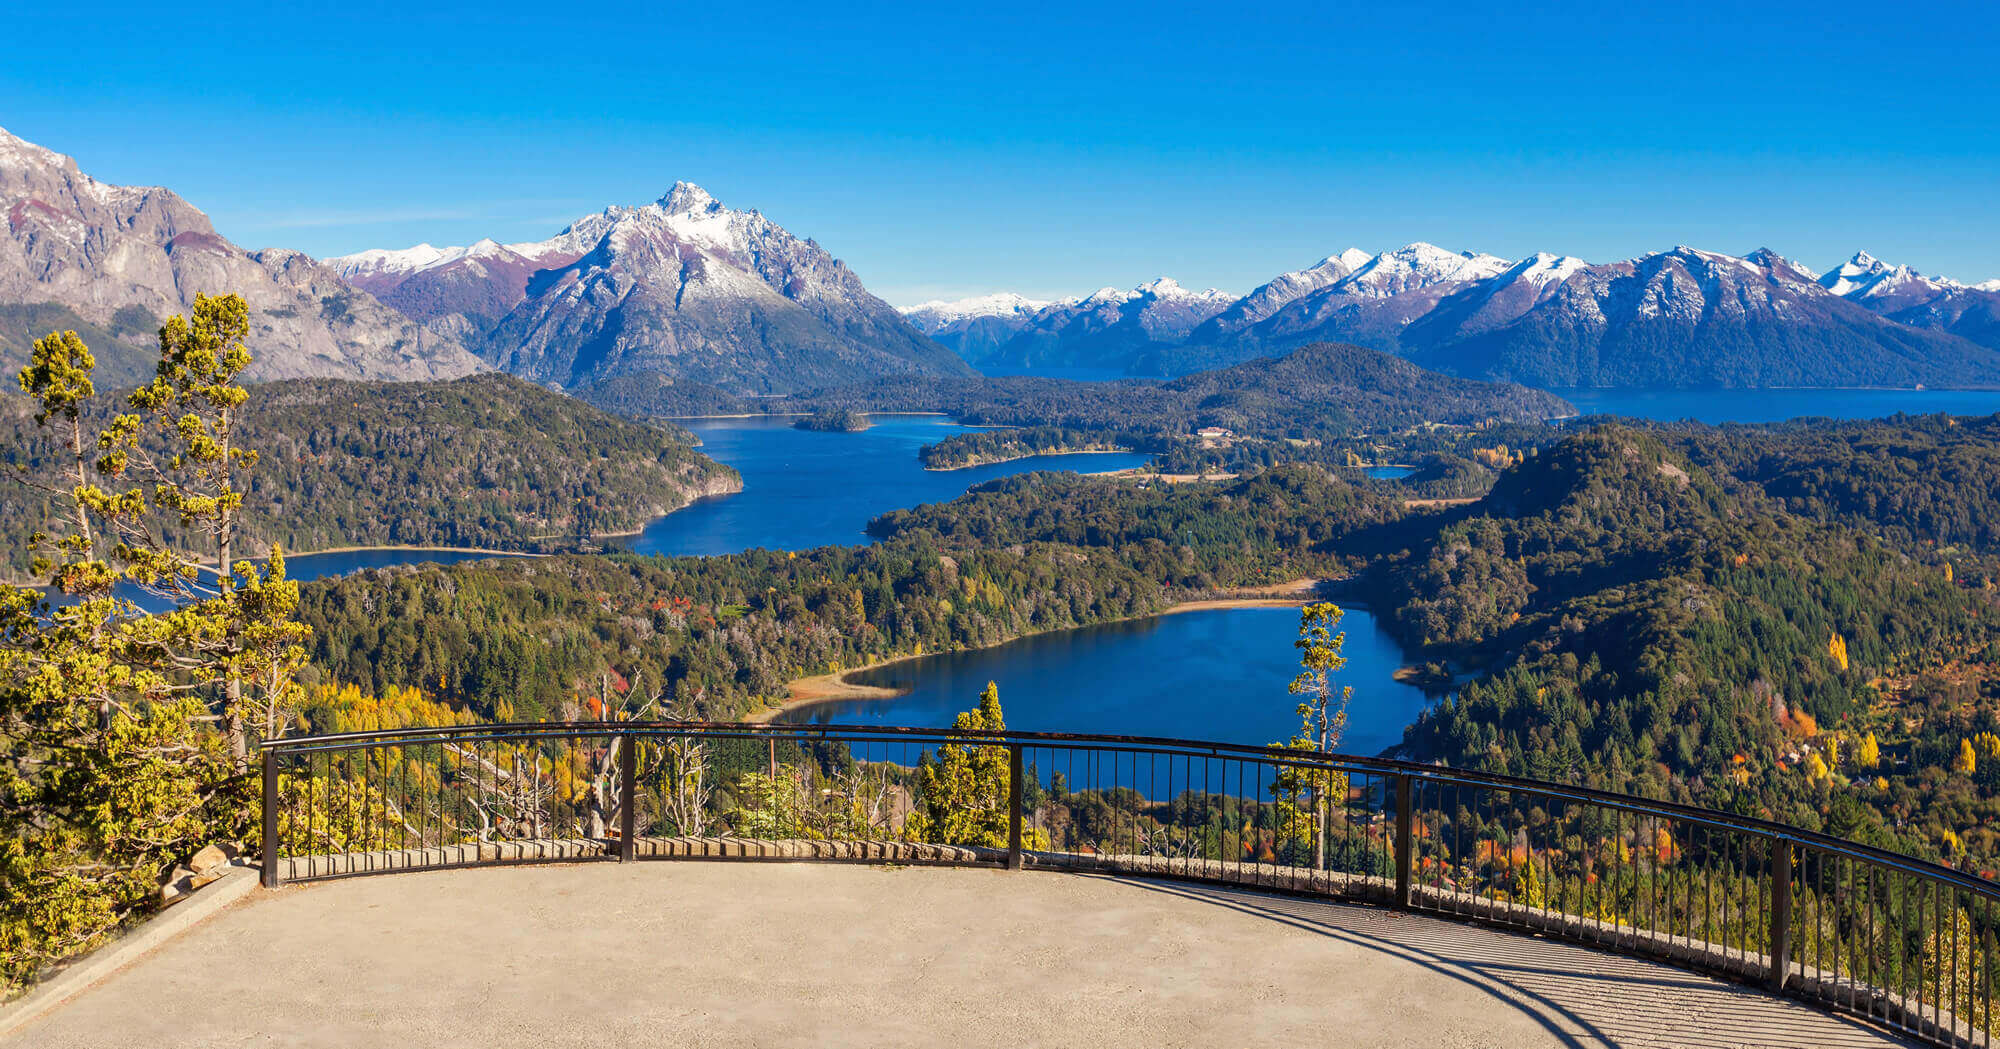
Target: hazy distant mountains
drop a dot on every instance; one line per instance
(683, 289)
(113, 261)
(1675, 318)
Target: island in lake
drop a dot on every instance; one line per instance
(834, 420)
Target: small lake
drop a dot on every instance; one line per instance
(1215, 674)
(1762, 406)
(1388, 473)
(804, 488)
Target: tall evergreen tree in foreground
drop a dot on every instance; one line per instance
(124, 733)
(1304, 795)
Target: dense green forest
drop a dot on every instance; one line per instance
(1019, 442)
(1319, 390)
(1931, 479)
(1024, 555)
(485, 461)
(1631, 622)
(833, 420)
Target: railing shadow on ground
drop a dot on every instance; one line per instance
(1587, 999)
(1897, 941)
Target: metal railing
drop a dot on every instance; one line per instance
(1908, 944)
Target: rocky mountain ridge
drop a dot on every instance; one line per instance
(114, 261)
(683, 288)
(1682, 317)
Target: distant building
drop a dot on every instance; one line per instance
(1214, 433)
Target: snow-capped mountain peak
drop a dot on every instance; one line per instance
(387, 261)
(1545, 270)
(938, 314)
(1418, 265)
(1353, 258)
(1865, 276)
(688, 198)
(1987, 285)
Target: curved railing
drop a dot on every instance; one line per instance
(1905, 943)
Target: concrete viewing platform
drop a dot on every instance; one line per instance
(708, 954)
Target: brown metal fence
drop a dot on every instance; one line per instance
(1906, 943)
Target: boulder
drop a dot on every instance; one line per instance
(210, 858)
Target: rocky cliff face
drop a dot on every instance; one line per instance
(683, 288)
(116, 260)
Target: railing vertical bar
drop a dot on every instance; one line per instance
(628, 795)
(271, 878)
(1405, 804)
(1014, 793)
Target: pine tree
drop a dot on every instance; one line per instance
(111, 770)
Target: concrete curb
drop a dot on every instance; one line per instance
(94, 968)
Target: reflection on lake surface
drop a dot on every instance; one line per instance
(1217, 674)
(1758, 406)
(803, 489)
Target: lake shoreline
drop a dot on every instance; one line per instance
(821, 689)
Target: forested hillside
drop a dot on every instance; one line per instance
(1321, 389)
(1029, 554)
(1632, 624)
(1917, 479)
(485, 461)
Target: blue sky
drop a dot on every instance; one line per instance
(1053, 150)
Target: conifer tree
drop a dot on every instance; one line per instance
(110, 767)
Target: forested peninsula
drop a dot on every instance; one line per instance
(488, 461)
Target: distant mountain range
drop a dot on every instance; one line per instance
(711, 301)
(112, 262)
(1674, 318)
(683, 289)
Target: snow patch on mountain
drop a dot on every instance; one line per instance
(937, 314)
(1417, 265)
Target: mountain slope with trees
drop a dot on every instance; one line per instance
(487, 461)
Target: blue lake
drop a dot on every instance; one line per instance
(1759, 406)
(1213, 674)
(804, 488)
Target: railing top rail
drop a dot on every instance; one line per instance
(519, 731)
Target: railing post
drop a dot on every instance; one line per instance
(1781, 911)
(628, 796)
(1013, 806)
(1403, 851)
(269, 875)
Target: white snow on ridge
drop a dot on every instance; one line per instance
(940, 312)
(1865, 276)
(1418, 265)
(1543, 269)
(1987, 285)
(387, 260)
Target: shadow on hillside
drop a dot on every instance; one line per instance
(1582, 997)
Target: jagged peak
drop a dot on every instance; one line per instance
(20, 151)
(687, 198)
